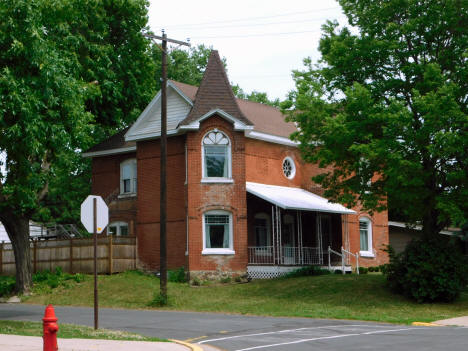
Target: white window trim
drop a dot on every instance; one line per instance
(293, 170)
(118, 225)
(218, 251)
(370, 251)
(133, 186)
(227, 179)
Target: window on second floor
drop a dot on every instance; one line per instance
(128, 177)
(216, 153)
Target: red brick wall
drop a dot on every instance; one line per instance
(264, 165)
(230, 197)
(380, 237)
(106, 173)
(106, 181)
(148, 158)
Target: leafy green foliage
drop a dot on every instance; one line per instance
(364, 270)
(428, 271)
(177, 276)
(46, 280)
(7, 284)
(254, 96)
(385, 110)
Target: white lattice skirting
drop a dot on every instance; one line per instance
(268, 272)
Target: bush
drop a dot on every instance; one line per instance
(55, 279)
(177, 276)
(364, 270)
(307, 271)
(7, 285)
(428, 270)
(225, 280)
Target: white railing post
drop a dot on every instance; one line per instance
(342, 261)
(357, 263)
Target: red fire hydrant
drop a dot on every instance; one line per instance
(50, 329)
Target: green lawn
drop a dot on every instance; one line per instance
(362, 297)
(67, 331)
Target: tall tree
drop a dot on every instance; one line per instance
(386, 106)
(255, 96)
(71, 72)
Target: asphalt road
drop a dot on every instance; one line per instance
(242, 333)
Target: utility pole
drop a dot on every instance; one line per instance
(163, 176)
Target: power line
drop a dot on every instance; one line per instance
(257, 24)
(248, 18)
(254, 35)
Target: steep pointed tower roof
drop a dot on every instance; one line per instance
(215, 93)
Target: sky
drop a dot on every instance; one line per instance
(262, 41)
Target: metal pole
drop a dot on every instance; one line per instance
(96, 325)
(163, 189)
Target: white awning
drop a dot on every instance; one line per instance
(294, 198)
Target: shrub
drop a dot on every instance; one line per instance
(306, 271)
(225, 280)
(46, 278)
(196, 282)
(7, 285)
(177, 276)
(158, 300)
(428, 270)
(363, 270)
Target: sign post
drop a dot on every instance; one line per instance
(95, 217)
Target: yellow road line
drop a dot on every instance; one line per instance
(195, 339)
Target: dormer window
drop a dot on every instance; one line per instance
(216, 154)
(128, 177)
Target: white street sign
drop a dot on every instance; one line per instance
(102, 214)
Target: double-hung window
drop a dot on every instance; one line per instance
(216, 153)
(128, 177)
(118, 228)
(365, 236)
(217, 233)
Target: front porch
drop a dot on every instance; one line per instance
(289, 228)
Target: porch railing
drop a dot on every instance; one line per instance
(265, 255)
(343, 255)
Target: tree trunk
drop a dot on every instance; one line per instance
(17, 229)
(430, 225)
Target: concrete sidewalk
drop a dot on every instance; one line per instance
(34, 343)
(459, 321)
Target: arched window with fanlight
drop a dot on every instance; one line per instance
(216, 154)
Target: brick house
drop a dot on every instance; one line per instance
(240, 198)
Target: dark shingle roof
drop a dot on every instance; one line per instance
(117, 141)
(266, 119)
(215, 93)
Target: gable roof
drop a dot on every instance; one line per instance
(214, 94)
(266, 119)
(116, 144)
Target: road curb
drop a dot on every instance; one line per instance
(425, 324)
(190, 346)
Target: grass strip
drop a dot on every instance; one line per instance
(70, 331)
(358, 297)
